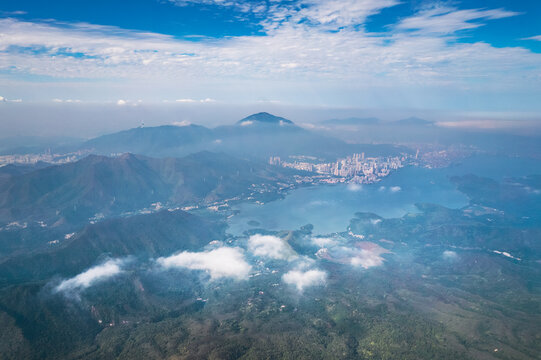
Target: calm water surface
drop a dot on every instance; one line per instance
(330, 207)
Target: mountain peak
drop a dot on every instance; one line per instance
(264, 117)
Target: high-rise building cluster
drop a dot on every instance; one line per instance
(354, 168)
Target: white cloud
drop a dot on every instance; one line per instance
(92, 276)
(13, 13)
(252, 6)
(395, 189)
(191, 101)
(537, 38)
(366, 259)
(324, 241)
(347, 54)
(3, 99)
(271, 247)
(506, 254)
(69, 101)
(303, 279)
(354, 187)
(121, 102)
(364, 254)
(289, 65)
(342, 12)
(246, 123)
(335, 13)
(224, 262)
(182, 123)
(298, 51)
(490, 124)
(447, 20)
(449, 255)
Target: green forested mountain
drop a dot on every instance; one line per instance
(157, 234)
(99, 186)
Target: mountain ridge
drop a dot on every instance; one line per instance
(257, 137)
(98, 185)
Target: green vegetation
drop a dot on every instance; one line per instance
(442, 293)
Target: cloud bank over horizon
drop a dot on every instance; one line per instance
(307, 52)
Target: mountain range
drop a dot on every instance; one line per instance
(257, 136)
(99, 186)
(156, 234)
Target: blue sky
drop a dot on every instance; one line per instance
(471, 55)
(200, 18)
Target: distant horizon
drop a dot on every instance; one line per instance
(91, 120)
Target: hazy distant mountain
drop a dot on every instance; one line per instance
(352, 121)
(413, 121)
(159, 140)
(104, 186)
(264, 118)
(34, 144)
(257, 136)
(266, 138)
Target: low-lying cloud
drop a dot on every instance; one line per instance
(324, 242)
(366, 259)
(303, 279)
(449, 255)
(271, 247)
(92, 276)
(363, 254)
(224, 262)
